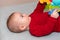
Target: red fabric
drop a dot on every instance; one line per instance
(41, 24)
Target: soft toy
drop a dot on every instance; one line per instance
(51, 5)
(54, 4)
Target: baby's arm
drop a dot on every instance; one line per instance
(40, 7)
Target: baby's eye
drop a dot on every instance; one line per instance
(21, 16)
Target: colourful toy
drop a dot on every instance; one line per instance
(51, 4)
(54, 4)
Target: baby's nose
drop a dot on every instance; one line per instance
(25, 15)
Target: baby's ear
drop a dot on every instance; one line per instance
(22, 28)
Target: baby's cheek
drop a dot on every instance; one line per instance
(25, 21)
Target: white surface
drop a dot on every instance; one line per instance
(7, 35)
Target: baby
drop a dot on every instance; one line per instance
(39, 23)
(18, 22)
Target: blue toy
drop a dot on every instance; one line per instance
(55, 2)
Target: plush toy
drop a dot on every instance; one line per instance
(54, 4)
(51, 5)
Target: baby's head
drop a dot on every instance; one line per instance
(18, 22)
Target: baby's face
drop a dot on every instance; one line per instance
(20, 20)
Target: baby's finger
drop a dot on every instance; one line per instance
(55, 10)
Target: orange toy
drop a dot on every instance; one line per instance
(47, 1)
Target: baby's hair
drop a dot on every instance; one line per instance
(12, 29)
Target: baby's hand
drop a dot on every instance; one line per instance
(55, 14)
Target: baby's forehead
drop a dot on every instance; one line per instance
(16, 14)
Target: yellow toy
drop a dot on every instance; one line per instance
(47, 1)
